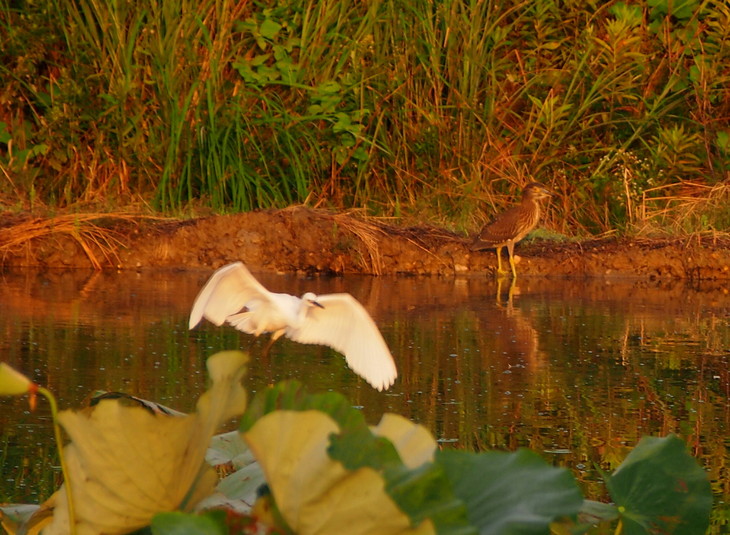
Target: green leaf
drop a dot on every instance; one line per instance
(425, 493)
(516, 493)
(660, 488)
(269, 29)
(722, 140)
(360, 154)
(329, 88)
(291, 395)
(211, 523)
(41, 148)
(595, 512)
(5, 136)
(260, 59)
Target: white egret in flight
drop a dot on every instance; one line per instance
(339, 321)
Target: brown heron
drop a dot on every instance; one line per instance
(511, 226)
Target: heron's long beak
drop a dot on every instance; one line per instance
(317, 304)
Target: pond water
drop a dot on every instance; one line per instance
(577, 370)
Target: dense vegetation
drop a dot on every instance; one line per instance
(429, 109)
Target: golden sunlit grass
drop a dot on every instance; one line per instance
(85, 229)
(429, 116)
(367, 233)
(681, 208)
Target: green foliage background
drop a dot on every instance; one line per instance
(407, 108)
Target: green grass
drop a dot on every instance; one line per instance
(433, 111)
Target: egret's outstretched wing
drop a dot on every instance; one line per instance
(226, 293)
(344, 325)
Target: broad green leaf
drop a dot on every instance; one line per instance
(314, 493)
(511, 493)
(426, 493)
(269, 28)
(361, 154)
(722, 140)
(211, 523)
(328, 88)
(291, 395)
(5, 136)
(260, 59)
(596, 512)
(660, 488)
(591, 514)
(127, 464)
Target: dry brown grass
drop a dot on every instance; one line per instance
(672, 209)
(94, 239)
(367, 233)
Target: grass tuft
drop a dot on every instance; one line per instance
(438, 112)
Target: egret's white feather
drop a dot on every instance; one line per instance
(339, 321)
(344, 325)
(227, 291)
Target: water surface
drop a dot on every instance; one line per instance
(578, 371)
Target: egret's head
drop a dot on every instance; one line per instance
(311, 300)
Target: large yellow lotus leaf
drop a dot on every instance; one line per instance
(127, 464)
(314, 494)
(414, 443)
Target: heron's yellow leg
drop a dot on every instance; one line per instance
(500, 271)
(510, 292)
(512, 264)
(511, 251)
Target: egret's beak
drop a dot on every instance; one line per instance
(315, 303)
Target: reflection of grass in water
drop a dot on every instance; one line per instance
(29, 465)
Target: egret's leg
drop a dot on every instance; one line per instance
(266, 355)
(273, 338)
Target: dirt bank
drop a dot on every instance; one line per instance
(300, 239)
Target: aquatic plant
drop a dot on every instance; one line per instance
(14, 383)
(326, 470)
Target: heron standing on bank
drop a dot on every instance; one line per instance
(511, 226)
(339, 321)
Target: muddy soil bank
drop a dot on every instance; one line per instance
(303, 240)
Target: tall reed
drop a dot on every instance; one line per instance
(438, 110)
